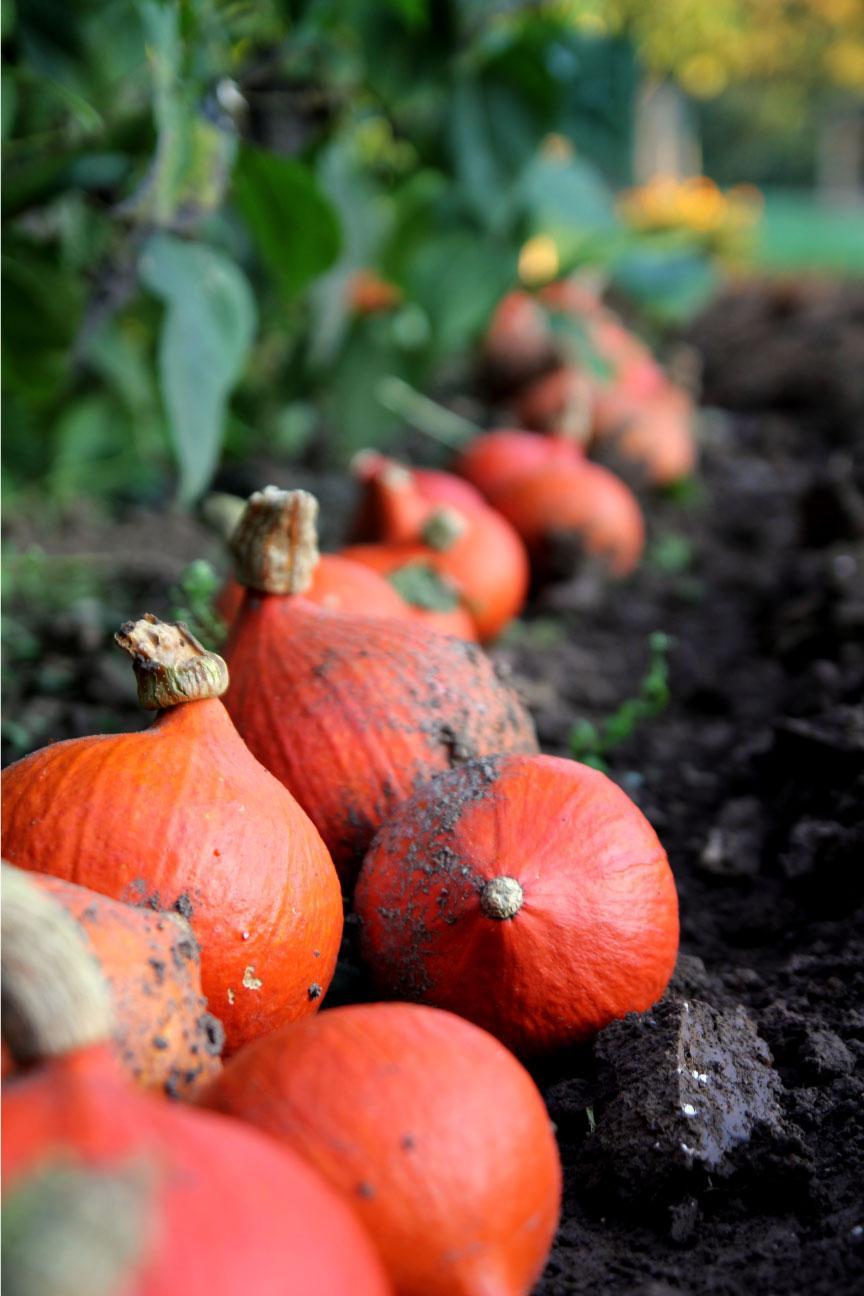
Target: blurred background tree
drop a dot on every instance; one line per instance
(226, 223)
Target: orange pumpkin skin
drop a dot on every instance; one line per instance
(338, 584)
(433, 1131)
(571, 297)
(595, 935)
(228, 1211)
(584, 500)
(496, 458)
(486, 562)
(351, 713)
(657, 435)
(164, 1036)
(183, 816)
(519, 342)
(445, 488)
(389, 560)
(559, 402)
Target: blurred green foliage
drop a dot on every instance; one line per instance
(191, 189)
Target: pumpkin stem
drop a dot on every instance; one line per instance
(443, 528)
(275, 543)
(55, 998)
(501, 898)
(171, 666)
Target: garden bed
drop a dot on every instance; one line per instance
(714, 1145)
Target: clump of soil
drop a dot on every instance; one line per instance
(713, 1145)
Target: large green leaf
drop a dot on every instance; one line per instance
(206, 334)
(492, 137)
(294, 226)
(457, 279)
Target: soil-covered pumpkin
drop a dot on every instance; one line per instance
(163, 1033)
(430, 1128)
(108, 1189)
(182, 816)
(527, 893)
(349, 712)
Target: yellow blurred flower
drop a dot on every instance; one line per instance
(694, 206)
(538, 260)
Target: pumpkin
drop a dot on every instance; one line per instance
(434, 1132)
(338, 583)
(656, 434)
(519, 343)
(494, 459)
(584, 502)
(164, 1036)
(559, 402)
(183, 816)
(572, 296)
(430, 595)
(526, 893)
(348, 711)
(109, 1189)
(431, 484)
(468, 544)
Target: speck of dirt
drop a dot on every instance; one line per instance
(314, 991)
(213, 1032)
(250, 980)
(407, 1142)
(183, 905)
(158, 966)
(184, 951)
(159, 1042)
(365, 1189)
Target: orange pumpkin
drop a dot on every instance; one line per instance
(494, 459)
(583, 501)
(469, 545)
(560, 402)
(432, 1130)
(527, 893)
(519, 343)
(164, 1035)
(183, 816)
(349, 712)
(337, 583)
(430, 595)
(656, 434)
(159, 1198)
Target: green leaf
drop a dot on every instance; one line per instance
(457, 279)
(295, 228)
(190, 171)
(206, 334)
(421, 585)
(669, 283)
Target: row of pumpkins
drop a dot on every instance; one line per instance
(365, 746)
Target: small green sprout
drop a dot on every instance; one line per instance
(193, 599)
(591, 743)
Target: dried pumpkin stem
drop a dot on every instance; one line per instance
(55, 998)
(275, 543)
(171, 666)
(501, 898)
(443, 528)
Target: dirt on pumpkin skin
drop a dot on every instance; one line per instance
(713, 1145)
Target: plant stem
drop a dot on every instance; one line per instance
(430, 418)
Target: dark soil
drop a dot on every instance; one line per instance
(714, 1145)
